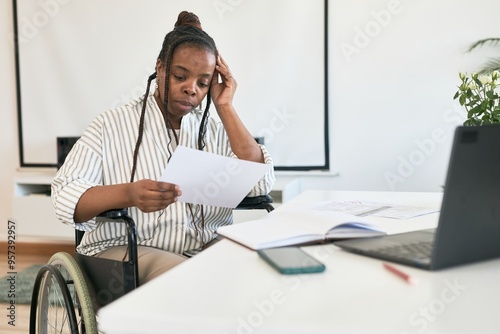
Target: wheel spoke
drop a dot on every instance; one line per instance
(59, 307)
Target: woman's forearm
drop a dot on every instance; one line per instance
(101, 198)
(146, 195)
(242, 142)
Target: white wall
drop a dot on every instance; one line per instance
(391, 106)
(393, 72)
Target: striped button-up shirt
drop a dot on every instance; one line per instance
(103, 156)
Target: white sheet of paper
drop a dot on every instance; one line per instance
(211, 179)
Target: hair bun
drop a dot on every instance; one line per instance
(188, 19)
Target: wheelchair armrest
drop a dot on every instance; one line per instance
(113, 214)
(104, 216)
(257, 202)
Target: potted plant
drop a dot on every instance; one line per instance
(478, 92)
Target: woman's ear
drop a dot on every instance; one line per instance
(159, 65)
(160, 70)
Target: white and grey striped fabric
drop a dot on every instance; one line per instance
(103, 156)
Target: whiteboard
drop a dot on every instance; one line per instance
(79, 58)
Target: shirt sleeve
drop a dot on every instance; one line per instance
(81, 171)
(266, 183)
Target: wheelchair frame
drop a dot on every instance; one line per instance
(76, 285)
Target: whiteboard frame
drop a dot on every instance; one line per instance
(25, 163)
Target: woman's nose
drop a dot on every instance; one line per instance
(190, 89)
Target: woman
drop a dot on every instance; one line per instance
(121, 155)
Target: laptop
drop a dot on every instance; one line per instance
(469, 223)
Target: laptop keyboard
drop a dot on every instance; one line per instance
(420, 251)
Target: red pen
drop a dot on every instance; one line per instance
(409, 279)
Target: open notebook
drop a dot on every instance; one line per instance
(299, 227)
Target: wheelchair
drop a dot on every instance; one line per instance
(69, 290)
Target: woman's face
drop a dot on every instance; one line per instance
(191, 74)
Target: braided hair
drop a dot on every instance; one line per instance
(187, 32)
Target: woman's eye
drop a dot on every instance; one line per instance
(203, 85)
(178, 77)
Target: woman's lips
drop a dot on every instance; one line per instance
(185, 105)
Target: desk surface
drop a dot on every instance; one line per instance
(229, 289)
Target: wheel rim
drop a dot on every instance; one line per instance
(56, 310)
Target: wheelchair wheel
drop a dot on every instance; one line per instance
(61, 300)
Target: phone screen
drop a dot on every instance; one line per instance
(291, 260)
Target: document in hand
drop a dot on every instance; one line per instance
(289, 228)
(211, 179)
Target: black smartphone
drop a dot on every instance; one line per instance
(291, 260)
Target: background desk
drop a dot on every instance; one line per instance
(229, 289)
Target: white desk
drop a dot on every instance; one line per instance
(229, 289)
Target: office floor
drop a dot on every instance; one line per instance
(25, 257)
(22, 311)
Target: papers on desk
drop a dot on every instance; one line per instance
(211, 179)
(367, 208)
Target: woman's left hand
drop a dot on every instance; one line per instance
(222, 92)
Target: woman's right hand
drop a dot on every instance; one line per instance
(150, 196)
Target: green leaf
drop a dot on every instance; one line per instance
(492, 41)
(476, 80)
(462, 100)
(477, 110)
